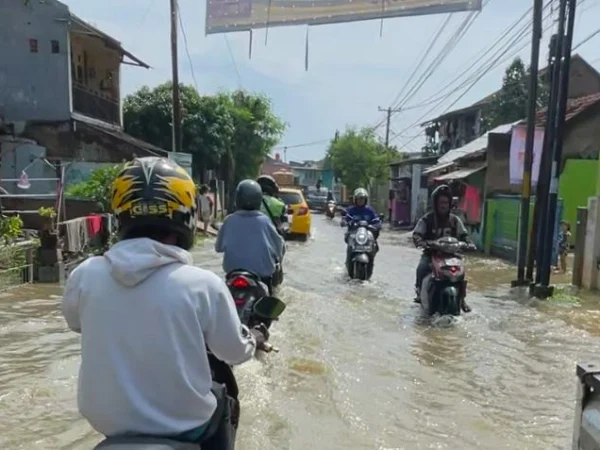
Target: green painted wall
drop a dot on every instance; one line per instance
(577, 183)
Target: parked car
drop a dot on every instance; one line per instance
(298, 212)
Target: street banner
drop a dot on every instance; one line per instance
(517, 154)
(242, 15)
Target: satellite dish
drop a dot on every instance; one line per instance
(23, 181)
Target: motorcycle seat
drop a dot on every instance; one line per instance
(243, 273)
(144, 443)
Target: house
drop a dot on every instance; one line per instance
(60, 94)
(308, 173)
(457, 128)
(408, 189)
(272, 165)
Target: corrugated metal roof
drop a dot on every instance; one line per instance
(437, 167)
(460, 174)
(478, 144)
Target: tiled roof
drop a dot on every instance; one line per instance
(574, 107)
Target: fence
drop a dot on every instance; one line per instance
(502, 226)
(16, 264)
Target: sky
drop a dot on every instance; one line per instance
(352, 69)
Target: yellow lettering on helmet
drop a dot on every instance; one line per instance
(149, 209)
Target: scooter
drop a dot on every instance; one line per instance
(330, 209)
(445, 288)
(246, 288)
(265, 309)
(361, 248)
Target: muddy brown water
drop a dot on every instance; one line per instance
(357, 369)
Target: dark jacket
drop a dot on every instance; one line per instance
(431, 227)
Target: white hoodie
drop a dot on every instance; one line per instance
(146, 315)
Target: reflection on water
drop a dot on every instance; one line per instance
(357, 369)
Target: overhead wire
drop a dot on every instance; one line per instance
(587, 39)
(487, 66)
(187, 50)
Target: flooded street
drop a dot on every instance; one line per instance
(356, 370)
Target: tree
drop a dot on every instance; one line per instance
(97, 187)
(510, 103)
(357, 158)
(229, 132)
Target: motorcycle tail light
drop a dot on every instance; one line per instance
(453, 270)
(302, 211)
(240, 283)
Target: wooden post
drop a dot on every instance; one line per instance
(582, 217)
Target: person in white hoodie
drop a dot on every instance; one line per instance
(146, 317)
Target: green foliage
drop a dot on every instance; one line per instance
(97, 187)
(11, 227)
(47, 212)
(510, 103)
(357, 158)
(230, 132)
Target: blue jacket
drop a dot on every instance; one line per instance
(249, 241)
(363, 213)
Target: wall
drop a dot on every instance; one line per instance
(34, 86)
(502, 226)
(95, 66)
(577, 183)
(418, 200)
(80, 171)
(18, 156)
(581, 140)
(591, 254)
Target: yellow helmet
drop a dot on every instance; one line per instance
(157, 194)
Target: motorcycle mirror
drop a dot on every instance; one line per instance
(268, 307)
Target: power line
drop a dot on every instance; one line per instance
(482, 71)
(187, 51)
(587, 39)
(237, 72)
(305, 144)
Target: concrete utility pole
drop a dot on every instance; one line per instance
(175, 67)
(387, 126)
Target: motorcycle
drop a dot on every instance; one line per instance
(246, 288)
(330, 209)
(361, 248)
(444, 289)
(265, 309)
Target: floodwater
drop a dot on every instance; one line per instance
(357, 370)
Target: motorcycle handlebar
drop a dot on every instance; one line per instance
(267, 348)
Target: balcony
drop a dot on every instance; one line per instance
(95, 105)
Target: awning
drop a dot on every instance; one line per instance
(438, 167)
(460, 174)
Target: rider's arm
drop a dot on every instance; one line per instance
(461, 231)
(225, 336)
(375, 220)
(72, 299)
(219, 244)
(275, 240)
(419, 232)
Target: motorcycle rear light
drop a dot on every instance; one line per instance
(240, 283)
(302, 211)
(453, 269)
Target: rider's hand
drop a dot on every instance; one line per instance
(261, 334)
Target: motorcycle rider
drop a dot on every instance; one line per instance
(361, 210)
(272, 206)
(248, 238)
(434, 225)
(146, 316)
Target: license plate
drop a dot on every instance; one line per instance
(362, 248)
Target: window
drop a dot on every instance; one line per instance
(55, 46)
(290, 198)
(33, 45)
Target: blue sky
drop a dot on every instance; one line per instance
(352, 70)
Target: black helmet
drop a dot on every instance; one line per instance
(248, 195)
(441, 191)
(268, 185)
(155, 194)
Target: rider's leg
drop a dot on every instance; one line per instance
(222, 426)
(423, 269)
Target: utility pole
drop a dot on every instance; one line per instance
(387, 126)
(175, 67)
(544, 290)
(529, 144)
